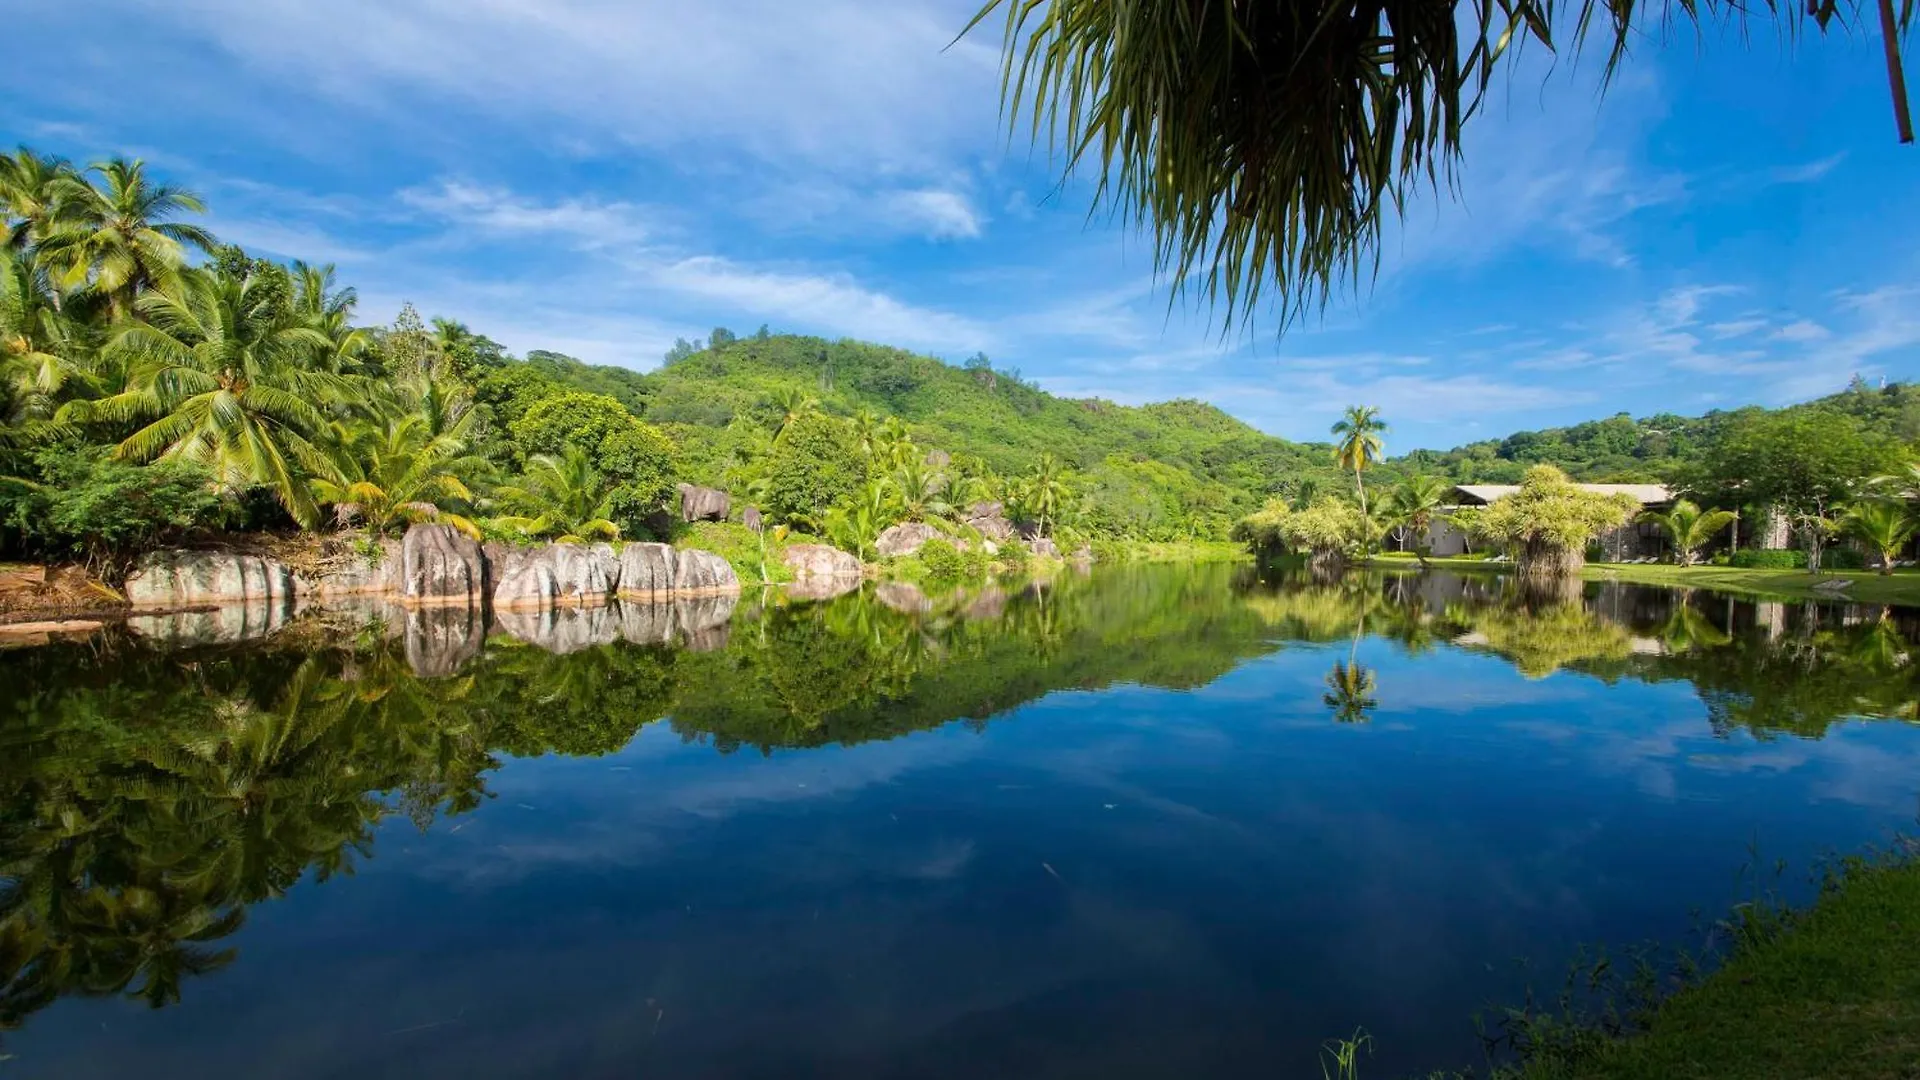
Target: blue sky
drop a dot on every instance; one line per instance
(1733, 222)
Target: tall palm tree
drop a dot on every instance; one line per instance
(866, 432)
(30, 191)
(1359, 445)
(115, 238)
(919, 491)
(562, 497)
(1413, 503)
(225, 379)
(1045, 492)
(1266, 144)
(41, 346)
(328, 308)
(1883, 525)
(1688, 529)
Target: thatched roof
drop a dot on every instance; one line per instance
(1644, 494)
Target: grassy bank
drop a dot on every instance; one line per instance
(1864, 586)
(1833, 992)
(1173, 551)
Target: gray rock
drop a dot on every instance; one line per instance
(440, 566)
(171, 579)
(702, 503)
(820, 561)
(751, 518)
(361, 579)
(558, 574)
(989, 519)
(702, 573)
(1044, 545)
(904, 538)
(646, 570)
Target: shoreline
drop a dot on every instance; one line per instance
(1863, 586)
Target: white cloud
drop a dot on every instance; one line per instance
(814, 299)
(1807, 172)
(1802, 330)
(588, 222)
(941, 215)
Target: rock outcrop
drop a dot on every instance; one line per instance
(376, 578)
(556, 575)
(1044, 545)
(905, 538)
(656, 571)
(703, 503)
(440, 566)
(702, 573)
(989, 519)
(809, 561)
(752, 520)
(175, 579)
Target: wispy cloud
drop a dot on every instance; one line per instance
(587, 222)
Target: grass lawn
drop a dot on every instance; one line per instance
(1867, 586)
(1836, 996)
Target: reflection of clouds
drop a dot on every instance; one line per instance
(593, 812)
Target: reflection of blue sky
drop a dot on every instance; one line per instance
(1136, 881)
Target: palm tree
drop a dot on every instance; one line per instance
(1413, 502)
(792, 403)
(1266, 144)
(1306, 491)
(866, 432)
(115, 238)
(30, 190)
(329, 310)
(896, 443)
(41, 351)
(562, 497)
(400, 471)
(919, 491)
(225, 379)
(1883, 525)
(1359, 444)
(1044, 494)
(1688, 528)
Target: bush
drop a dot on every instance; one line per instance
(1842, 558)
(86, 504)
(1756, 559)
(1014, 556)
(942, 561)
(815, 465)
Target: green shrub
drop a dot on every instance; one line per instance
(942, 562)
(739, 545)
(86, 504)
(1756, 559)
(1842, 558)
(1014, 556)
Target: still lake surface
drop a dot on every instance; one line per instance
(1150, 822)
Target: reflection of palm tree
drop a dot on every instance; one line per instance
(1687, 628)
(1350, 693)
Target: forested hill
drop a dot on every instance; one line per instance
(1142, 466)
(1655, 448)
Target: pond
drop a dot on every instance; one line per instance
(1148, 822)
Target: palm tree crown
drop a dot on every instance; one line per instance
(1359, 444)
(115, 237)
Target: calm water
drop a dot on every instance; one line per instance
(1148, 823)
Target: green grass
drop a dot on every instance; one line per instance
(1835, 994)
(1868, 586)
(1172, 551)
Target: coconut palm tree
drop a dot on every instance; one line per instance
(1359, 445)
(42, 349)
(1044, 493)
(866, 432)
(919, 491)
(561, 497)
(327, 308)
(1266, 144)
(1883, 525)
(115, 238)
(30, 190)
(400, 471)
(1413, 503)
(792, 403)
(224, 378)
(1687, 528)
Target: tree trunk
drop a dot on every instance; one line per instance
(1541, 559)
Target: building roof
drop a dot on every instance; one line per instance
(1644, 494)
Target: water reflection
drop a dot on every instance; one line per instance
(150, 795)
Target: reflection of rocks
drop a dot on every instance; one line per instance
(558, 574)
(562, 630)
(169, 579)
(440, 640)
(705, 623)
(821, 588)
(809, 561)
(904, 538)
(904, 597)
(990, 604)
(223, 625)
(439, 566)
